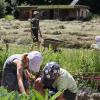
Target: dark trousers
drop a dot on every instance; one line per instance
(35, 34)
(68, 95)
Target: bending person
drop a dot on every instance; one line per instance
(17, 70)
(57, 79)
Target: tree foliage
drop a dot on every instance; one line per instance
(11, 4)
(2, 8)
(93, 4)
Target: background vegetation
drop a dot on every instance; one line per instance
(74, 60)
(33, 95)
(10, 5)
(2, 8)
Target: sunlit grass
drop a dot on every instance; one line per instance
(74, 60)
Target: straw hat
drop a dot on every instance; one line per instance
(35, 12)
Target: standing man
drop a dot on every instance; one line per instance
(35, 28)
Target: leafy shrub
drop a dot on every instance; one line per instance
(95, 16)
(9, 17)
(10, 6)
(2, 8)
(89, 16)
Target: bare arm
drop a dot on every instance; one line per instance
(39, 86)
(20, 83)
(20, 76)
(30, 76)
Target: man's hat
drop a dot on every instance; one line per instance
(35, 12)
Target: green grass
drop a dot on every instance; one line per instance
(74, 60)
(3, 57)
(33, 95)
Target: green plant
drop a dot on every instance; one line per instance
(3, 57)
(9, 17)
(11, 4)
(96, 60)
(2, 8)
(74, 60)
(33, 95)
(95, 16)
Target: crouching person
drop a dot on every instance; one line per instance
(57, 79)
(97, 43)
(17, 70)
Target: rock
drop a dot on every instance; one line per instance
(95, 96)
(83, 96)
